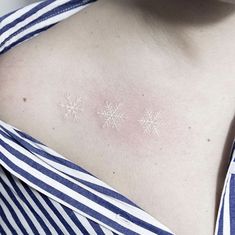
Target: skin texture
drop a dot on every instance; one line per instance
(155, 56)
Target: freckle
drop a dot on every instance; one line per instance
(189, 127)
(142, 94)
(208, 140)
(24, 99)
(53, 128)
(114, 172)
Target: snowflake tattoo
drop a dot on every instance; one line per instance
(151, 122)
(72, 107)
(112, 115)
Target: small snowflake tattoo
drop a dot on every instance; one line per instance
(150, 122)
(112, 115)
(72, 107)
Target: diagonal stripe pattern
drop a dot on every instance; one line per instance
(29, 21)
(225, 224)
(44, 193)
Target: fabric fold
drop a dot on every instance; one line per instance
(29, 21)
(62, 183)
(42, 192)
(225, 223)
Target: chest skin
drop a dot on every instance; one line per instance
(127, 54)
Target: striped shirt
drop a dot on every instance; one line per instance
(42, 192)
(225, 223)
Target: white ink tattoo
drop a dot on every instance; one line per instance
(151, 122)
(112, 115)
(72, 107)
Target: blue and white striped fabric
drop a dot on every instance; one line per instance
(29, 21)
(226, 215)
(44, 193)
(41, 192)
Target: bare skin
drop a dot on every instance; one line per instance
(123, 53)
